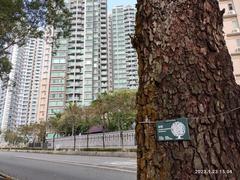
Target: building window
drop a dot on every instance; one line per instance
(58, 61)
(56, 103)
(57, 74)
(235, 24)
(57, 88)
(230, 7)
(238, 42)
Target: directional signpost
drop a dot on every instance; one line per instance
(173, 130)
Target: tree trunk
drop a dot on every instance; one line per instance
(103, 139)
(186, 71)
(74, 137)
(54, 141)
(103, 133)
(121, 139)
(87, 140)
(120, 130)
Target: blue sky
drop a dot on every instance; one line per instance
(112, 3)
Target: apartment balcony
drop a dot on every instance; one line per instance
(72, 71)
(230, 14)
(103, 62)
(103, 51)
(104, 83)
(73, 57)
(70, 92)
(236, 52)
(74, 84)
(104, 79)
(78, 77)
(104, 68)
(76, 99)
(79, 64)
(73, 64)
(235, 32)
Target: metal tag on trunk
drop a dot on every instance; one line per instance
(173, 130)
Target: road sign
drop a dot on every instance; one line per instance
(173, 130)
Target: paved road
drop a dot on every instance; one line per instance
(33, 166)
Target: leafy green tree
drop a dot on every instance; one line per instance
(114, 110)
(87, 119)
(71, 117)
(123, 109)
(100, 110)
(5, 68)
(54, 124)
(123, 105)
(21, 19)
(12, 137)
(37, 131)
(25, 132)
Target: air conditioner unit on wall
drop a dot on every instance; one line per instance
(236, 30)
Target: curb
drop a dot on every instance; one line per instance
(5, 177)
(81, 153)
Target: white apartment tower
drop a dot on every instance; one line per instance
(124, 56)
(110, 54)
(19, 99)
(7, 95)
(29, 60)
(231, 27)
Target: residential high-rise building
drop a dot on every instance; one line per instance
(29, 60)
(2, 100)
(45, 77)
(58, 77)
(75, 58)
(66, 77)
(95, 71)
(231, 22)
(7, 95)
(110, 54)
(19, 98)
(124, 56)
(79, 63)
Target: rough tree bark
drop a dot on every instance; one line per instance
(185, 70)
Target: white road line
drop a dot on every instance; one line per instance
(80, 164)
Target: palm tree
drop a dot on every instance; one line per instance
(54, 125)
(101, 108)
(72, 116)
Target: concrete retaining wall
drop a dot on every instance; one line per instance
(125, 139)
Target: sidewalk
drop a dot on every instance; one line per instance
(81, 153)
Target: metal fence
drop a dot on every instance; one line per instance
(118, 139)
